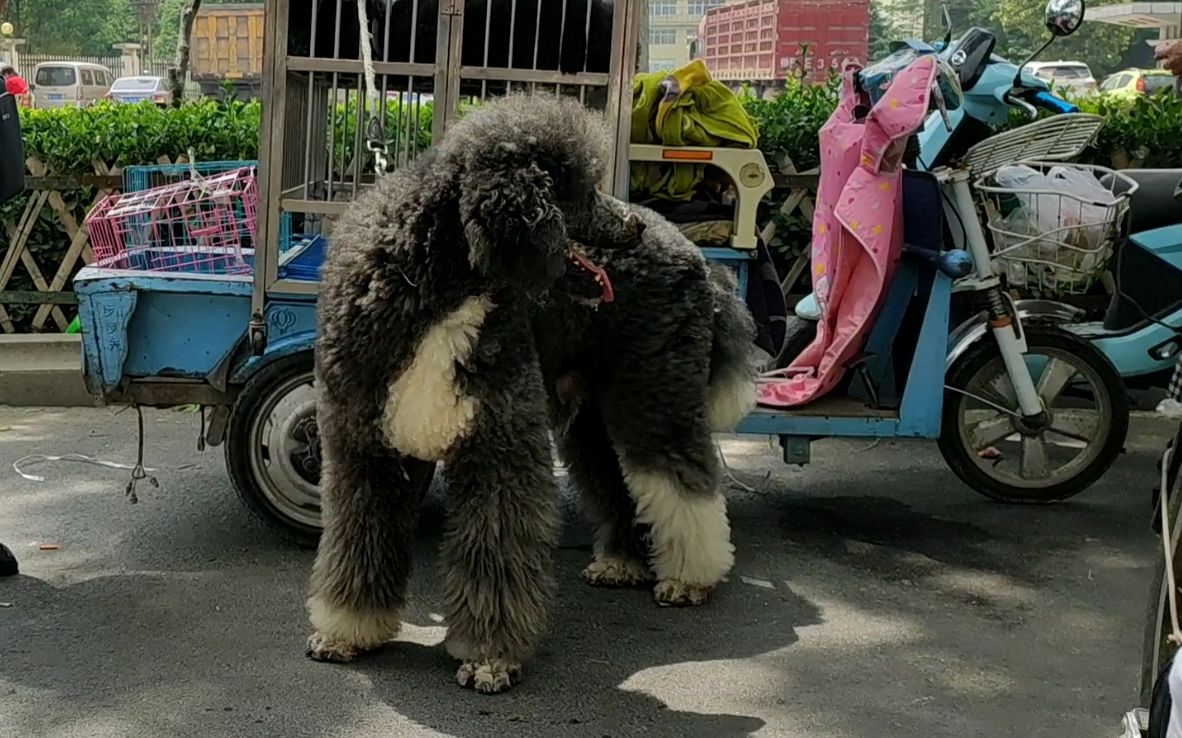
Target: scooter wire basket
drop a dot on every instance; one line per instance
(1053, 225)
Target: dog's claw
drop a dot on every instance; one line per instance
(608, 571)
(675, 593)
(488, 676)
(322, 648)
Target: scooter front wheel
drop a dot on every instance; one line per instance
(993, 449)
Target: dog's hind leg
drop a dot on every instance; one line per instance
(370, 500)
(669, 462)
(502, 525)
(620, 557)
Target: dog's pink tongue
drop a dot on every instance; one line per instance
(600, 275)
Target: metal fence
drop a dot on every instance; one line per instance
(116, 63)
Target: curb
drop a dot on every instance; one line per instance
(42, 370)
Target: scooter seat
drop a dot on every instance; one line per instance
(1155, 204)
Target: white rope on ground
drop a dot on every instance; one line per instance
(726, 468)
(42, 458)
(373, 101)
(1168, 546)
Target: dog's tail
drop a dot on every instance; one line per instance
(733, 360)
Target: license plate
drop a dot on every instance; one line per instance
(56, 97)
(134, 99)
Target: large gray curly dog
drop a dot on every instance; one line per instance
(637, 387)
(451, 308)
(425, 354)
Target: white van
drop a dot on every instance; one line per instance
(69, 84)
(1075, 77)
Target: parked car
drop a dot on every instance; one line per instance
(138, 89)
(1074, 77)
(1134, 82)
(62, 84)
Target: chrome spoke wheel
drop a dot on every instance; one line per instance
(1038, 453)
(1006, 456)
(284, 450)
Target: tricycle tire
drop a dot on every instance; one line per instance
(960, 457)
(239, 450)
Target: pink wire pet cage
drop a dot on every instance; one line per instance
(203, 225)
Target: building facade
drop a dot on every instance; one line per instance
(672, 26)
(766, 42)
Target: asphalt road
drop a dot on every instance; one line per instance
(873, 596)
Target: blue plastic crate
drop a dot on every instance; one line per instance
(303, 261)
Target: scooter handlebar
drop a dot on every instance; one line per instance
(1010, 98)
(1053, 103)
(955, 263)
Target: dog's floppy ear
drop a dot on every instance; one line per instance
(511, 218)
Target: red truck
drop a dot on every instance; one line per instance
(765, 42)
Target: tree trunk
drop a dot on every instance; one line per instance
(180, 68)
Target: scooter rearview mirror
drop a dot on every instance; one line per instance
(1064, 17)
(947, 25)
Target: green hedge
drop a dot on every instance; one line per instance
(1146, 130)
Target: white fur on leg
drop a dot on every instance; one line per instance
(690, 534)
(729, 400)
(342, 635)
(426, 413)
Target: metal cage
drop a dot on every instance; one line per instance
(313, 158)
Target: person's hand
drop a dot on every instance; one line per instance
(1171, 54)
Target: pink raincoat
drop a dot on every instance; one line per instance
(857, 229)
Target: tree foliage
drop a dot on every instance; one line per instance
(882, 31)
(1021, 32)
(1020, 29)
(73, 27)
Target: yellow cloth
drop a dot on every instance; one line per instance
(685, 107)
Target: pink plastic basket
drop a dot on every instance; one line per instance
(205, 225)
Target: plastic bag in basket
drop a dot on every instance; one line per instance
(1055, 226)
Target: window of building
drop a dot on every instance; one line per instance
(662, 36)
(662, 7)
(699, 7)
(661, 65)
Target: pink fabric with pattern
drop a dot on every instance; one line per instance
(857, 229)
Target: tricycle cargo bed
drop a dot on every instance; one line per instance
(144, 324)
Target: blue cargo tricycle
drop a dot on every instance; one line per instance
(1021, 412)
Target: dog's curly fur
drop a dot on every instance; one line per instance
(425, 354)
(637, 386)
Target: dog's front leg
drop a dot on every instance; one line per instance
(503, 519)
(370, 499)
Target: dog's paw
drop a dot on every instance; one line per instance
(675, 593)
(489, 676)
(610, 571)
(323, 648)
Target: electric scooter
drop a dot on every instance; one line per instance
(992, 88)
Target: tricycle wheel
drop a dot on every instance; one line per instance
(993, 450)
(273, 450)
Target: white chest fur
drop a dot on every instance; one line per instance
(426, 412)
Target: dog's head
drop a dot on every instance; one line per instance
(528, 167)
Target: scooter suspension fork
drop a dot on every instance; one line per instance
(1007, 331)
